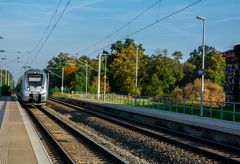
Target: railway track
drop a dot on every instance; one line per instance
(211, 150)
(71, 145)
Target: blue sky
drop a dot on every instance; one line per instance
(22, 23)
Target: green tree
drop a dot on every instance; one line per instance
(163, 74)
(214, 64)
(154, 87)
(177, 55)
(92, 74)
(189, 73)
(215, 70)
(196, 56)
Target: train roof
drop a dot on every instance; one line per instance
(34, 71)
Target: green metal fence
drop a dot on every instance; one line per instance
(214, 109)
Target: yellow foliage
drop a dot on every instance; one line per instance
(70, 68)
(177, 93)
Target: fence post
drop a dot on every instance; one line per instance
(163, 102)
(184, 109)
(192, 108)
(210, 109)
(152, 103)
(176, 104)
(221, 112)
(170, 101)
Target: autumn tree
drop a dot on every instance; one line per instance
(54, 68)
(123, 66)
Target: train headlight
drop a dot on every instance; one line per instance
(28, 88)
(42, 88)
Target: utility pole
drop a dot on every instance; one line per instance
(86, 91)
(5, 82)
(8, 77)
(62, 80)
(99, 74)
(105, 77)
(136, 75)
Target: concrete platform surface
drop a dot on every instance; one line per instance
(19, 142)
(223, 126)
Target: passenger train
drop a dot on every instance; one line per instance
(32, 87)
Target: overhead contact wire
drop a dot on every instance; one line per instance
(123, 26)
(155, 22)
(54, 26)
(45, 31)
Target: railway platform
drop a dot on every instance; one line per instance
(222, 131)
(19, 142)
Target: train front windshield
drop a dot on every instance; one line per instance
(35, 80)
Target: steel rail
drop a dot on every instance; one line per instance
(110, 155)
(62, 153)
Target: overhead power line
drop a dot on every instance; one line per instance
(44, 33)
(164, 18)
(153, 23)
(135, 32)
(120, 28)
(49, 34)
(47, 28)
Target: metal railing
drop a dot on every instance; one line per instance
(214, 109)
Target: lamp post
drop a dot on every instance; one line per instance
(136, 76)
(62, 80)
(203, 58)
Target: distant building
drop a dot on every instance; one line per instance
(232, 88)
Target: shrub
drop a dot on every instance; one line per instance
(212, 91)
